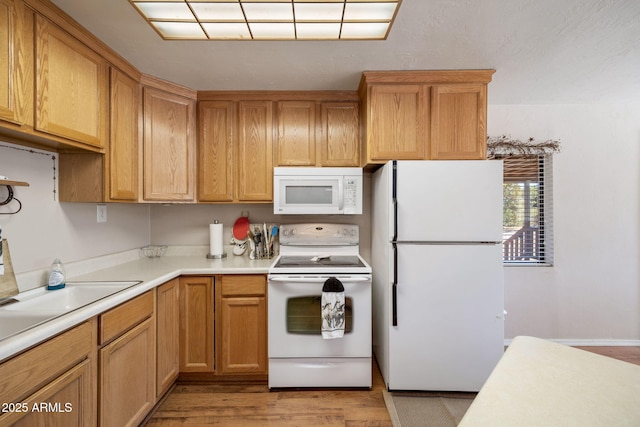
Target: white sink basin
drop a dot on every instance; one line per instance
(11, 323)
(40, 305)
(72, 296)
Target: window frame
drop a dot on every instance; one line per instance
(544, 246)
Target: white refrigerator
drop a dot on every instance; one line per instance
(438, 285)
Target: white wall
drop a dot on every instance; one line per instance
(45, 228)
(189, 225)
(593, 290)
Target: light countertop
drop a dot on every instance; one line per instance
(542, 383)
(151, 272)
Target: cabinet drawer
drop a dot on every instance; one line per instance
(241, 285)
(125, 316)
(29, 371)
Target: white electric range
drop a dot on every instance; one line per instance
(298, 354)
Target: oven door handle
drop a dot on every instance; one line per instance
(318, 279)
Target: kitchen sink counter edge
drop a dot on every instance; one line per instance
(151, 272)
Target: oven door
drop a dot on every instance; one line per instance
(295, 319)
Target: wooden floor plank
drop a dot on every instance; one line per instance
(253, 405)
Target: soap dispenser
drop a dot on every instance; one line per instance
(56, 276)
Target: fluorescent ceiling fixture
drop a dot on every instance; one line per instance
(227, 31)
(269, 19)
(180, 30)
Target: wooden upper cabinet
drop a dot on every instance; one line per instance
(169, 146)
(397, 121)
(296, 133)
(417, 115)
(71, 87)
(124, 143)
(255, 155)
(339, 134)
(16, 63)
(217, 149)
(459, 121)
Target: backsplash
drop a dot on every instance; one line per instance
(46, 228)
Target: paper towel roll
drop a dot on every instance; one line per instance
(216, 249)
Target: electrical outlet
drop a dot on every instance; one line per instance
(102, 213)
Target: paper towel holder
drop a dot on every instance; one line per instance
(216, 256)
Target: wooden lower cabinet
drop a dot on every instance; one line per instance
(168, 335)
(196, 324)
(128, 362)
(242, 325)
(66, 401)
(52, 384)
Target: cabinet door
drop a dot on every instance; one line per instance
(169, 146)
(124, 142)
(127, 377)
(216, 148)
(458, 125)
(168, 335)
(196, 324)
(255, 155)
(242, 327)
(296, 133)
(398, 122)
(340, 134)
(16, 62)
(66, 401)
(71, 87)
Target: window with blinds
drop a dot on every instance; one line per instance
(527, 210)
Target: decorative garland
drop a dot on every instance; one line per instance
(505, 146)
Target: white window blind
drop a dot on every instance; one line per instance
(527, 210)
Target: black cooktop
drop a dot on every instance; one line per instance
(319, 261)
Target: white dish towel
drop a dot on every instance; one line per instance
(333, 309)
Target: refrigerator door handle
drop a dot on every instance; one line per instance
(394, 287)
(394, 199)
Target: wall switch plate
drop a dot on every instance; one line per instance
(102, 213)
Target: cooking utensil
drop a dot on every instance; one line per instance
(241, 228)
(252, 244)
(240, 248)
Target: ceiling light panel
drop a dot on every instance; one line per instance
(263, 11)
(225, 12)
(269, 19)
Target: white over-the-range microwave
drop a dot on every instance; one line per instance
(300, 190)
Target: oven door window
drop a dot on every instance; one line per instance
(304, 315)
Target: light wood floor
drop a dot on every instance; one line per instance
(249, 405)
